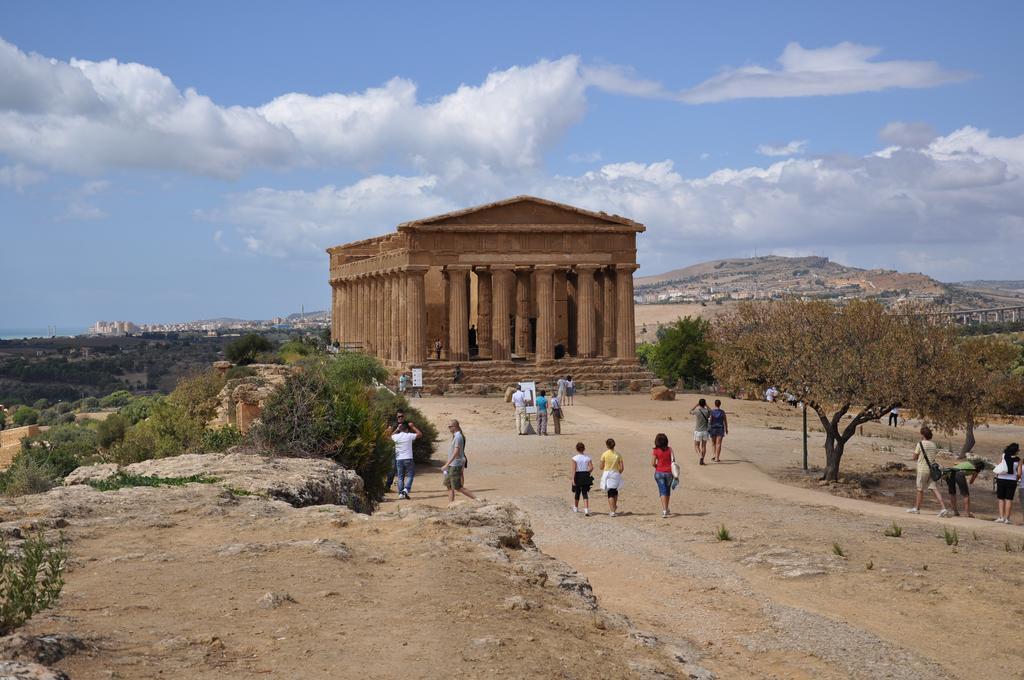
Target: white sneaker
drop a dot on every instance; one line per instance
(611, 514)
(913, 511)
(664, 514)
(942, 513)
(998, 519)
(575, 509)
(586, 513)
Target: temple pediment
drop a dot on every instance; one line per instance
(522, 211)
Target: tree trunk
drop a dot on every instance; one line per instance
(833, 454)
(968, 438)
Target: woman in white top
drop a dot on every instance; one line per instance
(1006, 482)
(582, 479)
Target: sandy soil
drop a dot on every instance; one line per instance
(775, 601)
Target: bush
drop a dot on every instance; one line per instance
(169, 431)
(139, 408)
(197, 395)
(26, 476)
(293, 350)
(246, 348)
(41, 404)
(25, 416)
(111, 430)
(3, 419)
(30, 581)
(89, 403)
(683, 352)
(308, 416)
(116, 399)
(221, 439)
(239, 372)
(354, 366)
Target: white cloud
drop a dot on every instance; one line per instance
(845, 68)
(80, 206)
(911, 135)
(19, 176)
(86, 116)
(961, 193)
(704, 156)
(792, 149)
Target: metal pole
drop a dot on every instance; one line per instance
(805, 436)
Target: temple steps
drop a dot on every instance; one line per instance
(493, 377)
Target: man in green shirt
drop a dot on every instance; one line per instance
(957, 477)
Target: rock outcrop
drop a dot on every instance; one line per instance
(296, 481)
(662, 393)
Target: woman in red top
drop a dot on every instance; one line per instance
(661, 461)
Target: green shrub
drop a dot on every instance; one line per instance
(895, 531)
(44, 460)
(308, 416)
(41, 404)
(951, 536)
(139, 408)
(353, 366)
(245, 349)
(30, 580)
(723, 534)
(837, 550)
(116, 399)
(89, 403)
(3, 419)
(111, 430)
(222, 438)
(25, 416)
(169, 431)
(25, 475)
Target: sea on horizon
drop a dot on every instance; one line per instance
(23, 333)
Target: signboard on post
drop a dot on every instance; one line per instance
(530, 390)
(417, 377)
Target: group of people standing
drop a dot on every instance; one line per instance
(548, 407)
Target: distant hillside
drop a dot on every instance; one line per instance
(773, 275)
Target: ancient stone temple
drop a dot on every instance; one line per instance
(519, 280)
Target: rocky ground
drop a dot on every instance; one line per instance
(208, 581)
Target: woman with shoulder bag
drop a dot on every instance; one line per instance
(1007, 480)
(582, 478)
(925, 453)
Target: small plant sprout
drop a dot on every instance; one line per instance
(723, 534)
(951, 536)
(870, 565)
(838, 550)
(895, 531)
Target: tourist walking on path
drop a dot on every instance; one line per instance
(582, 478)
(556, 413)
(894, 417)
(956, 478)
(403, 381)
(924, 453)
(519, 404)
(542, 413)
(407, 433)
(718, 427)
(455, 469)
(1008, 476)
(570, 389)
(612, 468)
(702, 419)
(661, 460)
(563, 390)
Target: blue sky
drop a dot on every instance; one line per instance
(162, 163)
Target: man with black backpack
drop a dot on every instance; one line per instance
(702, 420)
(925, 453)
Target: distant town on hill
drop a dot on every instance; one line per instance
(817, 277)
(298, 320)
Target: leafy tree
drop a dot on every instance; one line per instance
(138, 409)
(645, 353)
(683, 352)
(30, 579)
(854, 359)
(972, 380)
(3, 419)
(25, 415)
(244, 350)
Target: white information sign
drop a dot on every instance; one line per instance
(530, 389)
(417, 377)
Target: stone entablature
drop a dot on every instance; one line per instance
(520, 277)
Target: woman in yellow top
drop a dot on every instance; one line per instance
(611, 475)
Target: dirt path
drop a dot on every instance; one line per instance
(775, 601)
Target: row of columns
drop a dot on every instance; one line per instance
(384, 312)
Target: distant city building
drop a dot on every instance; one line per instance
(113, 328)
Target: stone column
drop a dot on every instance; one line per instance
(523, 311)
(458, 313)
(388, 313)
(483, 312)
(395, 330)
(403, 316)
(361, 314)
(416, 307)
(545, 313)
(334, 311)
(586, 331)
(503, 280)
(625, 338)
(610, 303)
(374, 304)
